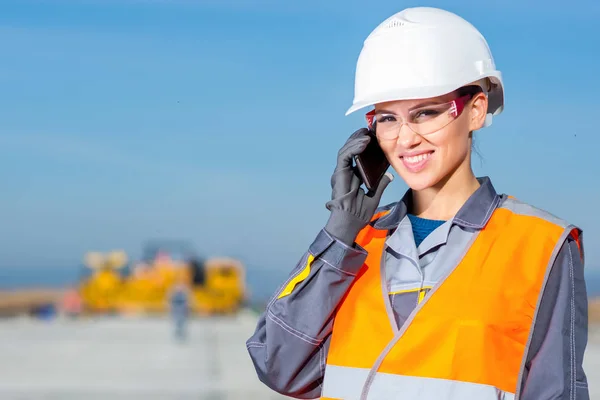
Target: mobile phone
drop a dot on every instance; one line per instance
(371, 164)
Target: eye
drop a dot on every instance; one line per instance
(383, 118)
(425, 114)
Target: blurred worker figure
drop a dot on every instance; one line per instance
(72, 303)
(179, 300)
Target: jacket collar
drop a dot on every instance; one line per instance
(474, 214)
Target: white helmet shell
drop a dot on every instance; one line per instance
(424, 52)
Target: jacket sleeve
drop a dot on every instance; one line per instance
(554, 367)
(290, 343)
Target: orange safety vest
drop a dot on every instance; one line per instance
(468, 339)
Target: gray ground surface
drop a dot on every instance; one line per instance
(137, 359)
(127, 359)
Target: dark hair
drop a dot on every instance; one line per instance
(472, 90)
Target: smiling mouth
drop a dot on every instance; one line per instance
(417, 162)
(417, 159)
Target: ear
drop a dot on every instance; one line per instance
(478, 111)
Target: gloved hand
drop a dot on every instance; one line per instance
(351, 209)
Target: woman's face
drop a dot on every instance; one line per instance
(422, 161)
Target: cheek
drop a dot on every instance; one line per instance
(389, 149)
(453, 146)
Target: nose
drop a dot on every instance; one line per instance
(408, 138)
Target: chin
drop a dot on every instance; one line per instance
(419, 181)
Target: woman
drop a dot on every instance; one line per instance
(455, 291)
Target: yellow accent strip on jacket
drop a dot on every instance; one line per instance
(410, 290)
(422, 295)
(298, 278)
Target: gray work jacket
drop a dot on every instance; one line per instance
(289, 346)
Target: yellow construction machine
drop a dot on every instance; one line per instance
(101, 289)
(113, 285)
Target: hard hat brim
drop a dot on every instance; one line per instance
(407, 94)
(496, 97)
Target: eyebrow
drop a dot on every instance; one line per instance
(382, 111)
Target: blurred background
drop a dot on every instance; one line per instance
(158, 154)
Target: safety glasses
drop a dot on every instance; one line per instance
(424, 120)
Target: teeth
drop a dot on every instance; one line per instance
(416, 159)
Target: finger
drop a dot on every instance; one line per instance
(359, 134)
(341, 182)
(358, 194)
(348, 192)
(352, 143)
(383, 183)
(351, 149)
(355, 183)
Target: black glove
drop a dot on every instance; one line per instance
(351, 209)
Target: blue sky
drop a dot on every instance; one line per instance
(219, 121)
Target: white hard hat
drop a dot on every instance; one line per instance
(424, 52)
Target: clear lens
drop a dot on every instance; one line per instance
(422, 121)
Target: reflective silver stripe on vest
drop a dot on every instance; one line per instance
(347, 383)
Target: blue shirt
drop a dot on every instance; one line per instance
(422, 227)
